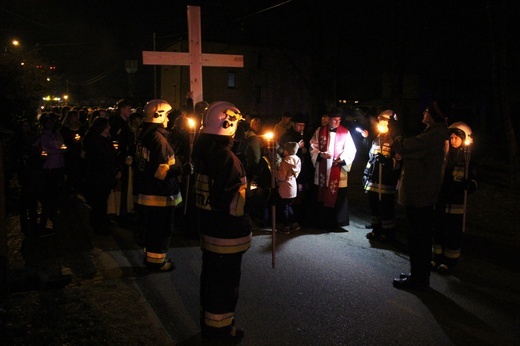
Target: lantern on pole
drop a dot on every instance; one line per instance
(191, 131)
(382, 127)
(467, 157)
(467, 137)
(271, 145)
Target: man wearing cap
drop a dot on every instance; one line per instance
(298, 134)
(421, 178)
(332, 153)
(282, 126)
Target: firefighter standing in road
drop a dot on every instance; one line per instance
(225, 229)
(156, 185)
(380, 180)
(459, 180)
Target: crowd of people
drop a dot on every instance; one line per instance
(227, 174)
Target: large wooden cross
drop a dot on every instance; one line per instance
(195, 59)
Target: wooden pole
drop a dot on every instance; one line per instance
(4, 249)
(467, 157)
(191, 125)
(272, 149)
(380, 168)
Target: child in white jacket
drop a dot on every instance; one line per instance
(288, 169)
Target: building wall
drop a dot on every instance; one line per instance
(270, 82)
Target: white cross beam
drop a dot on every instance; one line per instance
(195, 59)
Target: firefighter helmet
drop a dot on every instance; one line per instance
(156, 111)
(462, 130)
(221, 118)
(385, 115)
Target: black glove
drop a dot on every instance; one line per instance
(188, 168)
(469, 185)
(382, 159)
(394, 129)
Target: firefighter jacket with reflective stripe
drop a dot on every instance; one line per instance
(451, 197)
(155, 169)
(390, 171)
(220, 192)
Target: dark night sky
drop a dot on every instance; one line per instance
(440, 40)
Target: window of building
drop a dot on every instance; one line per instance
(232, 79)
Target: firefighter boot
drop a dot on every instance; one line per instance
(158, 263)
(437, 260)
(448, 266)
(388, 235)
(376, 232)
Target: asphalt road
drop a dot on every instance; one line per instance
(330, 289)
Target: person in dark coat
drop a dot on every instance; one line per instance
(120, 132)
(299, 133)
(29, 168)
(102, 172)
(70, 132)
(421, 179)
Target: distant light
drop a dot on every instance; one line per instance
(15, 42)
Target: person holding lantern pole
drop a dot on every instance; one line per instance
(420, 183)
(459, 179)
(225, 227)
(156, 185)
(380, 180)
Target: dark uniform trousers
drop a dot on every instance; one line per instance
(219, 289)
(420, 233)
(158, 223)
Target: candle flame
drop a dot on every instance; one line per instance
(382, 128)
(191, 123)
(269, 136)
